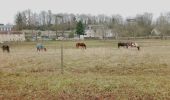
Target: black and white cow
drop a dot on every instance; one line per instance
(128, 44)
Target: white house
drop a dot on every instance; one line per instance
(99, 31)
(5, 28)
(7, 34)
(12, 36)
(155, 32)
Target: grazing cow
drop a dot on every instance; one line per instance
(134, 44)
(5, 48)
(82, 45)
(122, 44)
(40, 47)
(128, 44)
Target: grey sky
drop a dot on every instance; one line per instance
(126, 8)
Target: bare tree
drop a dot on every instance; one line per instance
(144, 24)
(162, 24)
(116, 25)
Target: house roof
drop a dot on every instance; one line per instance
(155, 31)
(6, 26)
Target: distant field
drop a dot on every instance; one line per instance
(102, 71)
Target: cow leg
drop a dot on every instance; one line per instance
(118, 46)
(8, 50)
(138, 48)
(38, 49)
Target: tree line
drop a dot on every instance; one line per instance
(139, 25)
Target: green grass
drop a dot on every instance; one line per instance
(102, 71)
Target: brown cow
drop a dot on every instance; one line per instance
(5, 48)
(82, 45)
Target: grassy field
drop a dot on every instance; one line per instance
(101, 72)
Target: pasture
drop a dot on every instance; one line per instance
(101, 72)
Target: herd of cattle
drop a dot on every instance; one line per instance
(40, 47)
(120, 44)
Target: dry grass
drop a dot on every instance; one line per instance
(100, 72)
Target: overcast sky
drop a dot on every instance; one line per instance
(126, 8)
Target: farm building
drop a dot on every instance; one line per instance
(45, 35)
(155, 32)
(7, 34)
(12, 36)
(5, 28)
(98, 31)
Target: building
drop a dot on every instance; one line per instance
(7, 34)
(155, 32)
(98, 31)
(33, 35)
(6, 28)
(12, 36)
